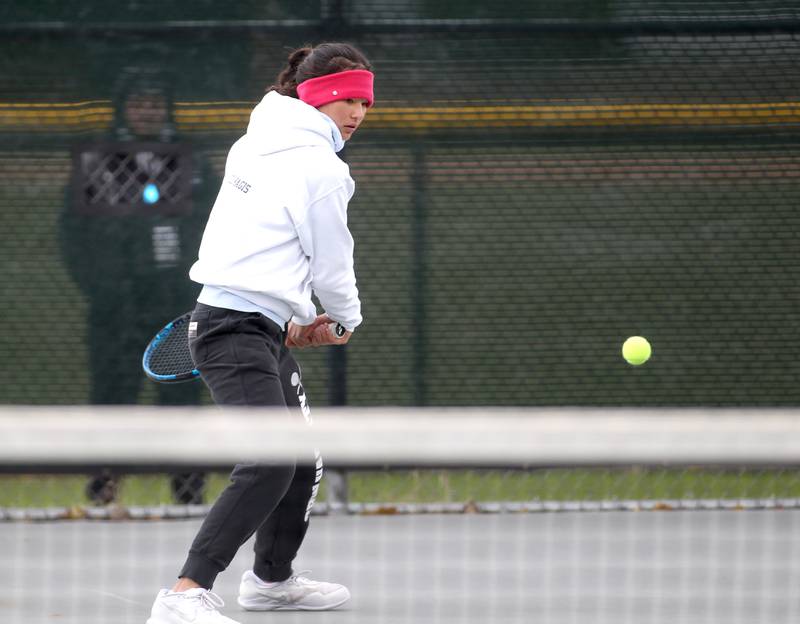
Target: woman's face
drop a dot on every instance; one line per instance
(346, 114)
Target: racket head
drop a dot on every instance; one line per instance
(167, 358)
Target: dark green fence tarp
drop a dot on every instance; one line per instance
(538, 181)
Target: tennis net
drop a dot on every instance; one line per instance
(439, 515)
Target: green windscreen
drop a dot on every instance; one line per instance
(536, 182)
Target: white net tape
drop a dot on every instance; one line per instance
(381, 436)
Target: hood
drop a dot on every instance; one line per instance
(280, 123)
(147, 83)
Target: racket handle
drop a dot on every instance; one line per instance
(339, 330)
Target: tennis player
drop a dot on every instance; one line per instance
(277, 232)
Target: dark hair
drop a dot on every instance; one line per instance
(312, 62)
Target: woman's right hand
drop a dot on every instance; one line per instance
(330, 333)
(323, 331)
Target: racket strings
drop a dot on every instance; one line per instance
(171, 355)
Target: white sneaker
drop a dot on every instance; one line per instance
(296, 593)
(195, 606)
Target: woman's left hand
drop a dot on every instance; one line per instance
(299, 336)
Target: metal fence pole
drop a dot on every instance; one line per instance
(420, 275)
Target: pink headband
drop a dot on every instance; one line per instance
(353, 83)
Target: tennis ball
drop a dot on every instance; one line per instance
(636, 350)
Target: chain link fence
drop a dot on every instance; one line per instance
(537, 182)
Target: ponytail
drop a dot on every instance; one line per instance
(286, 83)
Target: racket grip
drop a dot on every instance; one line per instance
(339, 330)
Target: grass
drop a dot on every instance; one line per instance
(427, 486)
(573, 484)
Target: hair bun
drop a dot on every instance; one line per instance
(298, 56)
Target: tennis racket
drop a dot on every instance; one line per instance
(167, 358)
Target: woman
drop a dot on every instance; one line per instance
(277, 233)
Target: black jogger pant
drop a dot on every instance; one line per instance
(243, 360)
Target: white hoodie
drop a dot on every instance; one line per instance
(278, 228)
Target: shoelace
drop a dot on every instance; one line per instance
(210, 601)
(299, 578)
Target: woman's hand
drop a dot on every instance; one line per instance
(323, 331)
(299, 336)
(329, 333)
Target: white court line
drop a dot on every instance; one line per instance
(120, 598)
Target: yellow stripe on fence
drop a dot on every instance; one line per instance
(588, 115)
(442, 117)
(55, 117)
(233, 116)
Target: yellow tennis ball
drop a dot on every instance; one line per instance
(636, 350)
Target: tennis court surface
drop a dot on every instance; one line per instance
(615, 516)
(677, 566)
